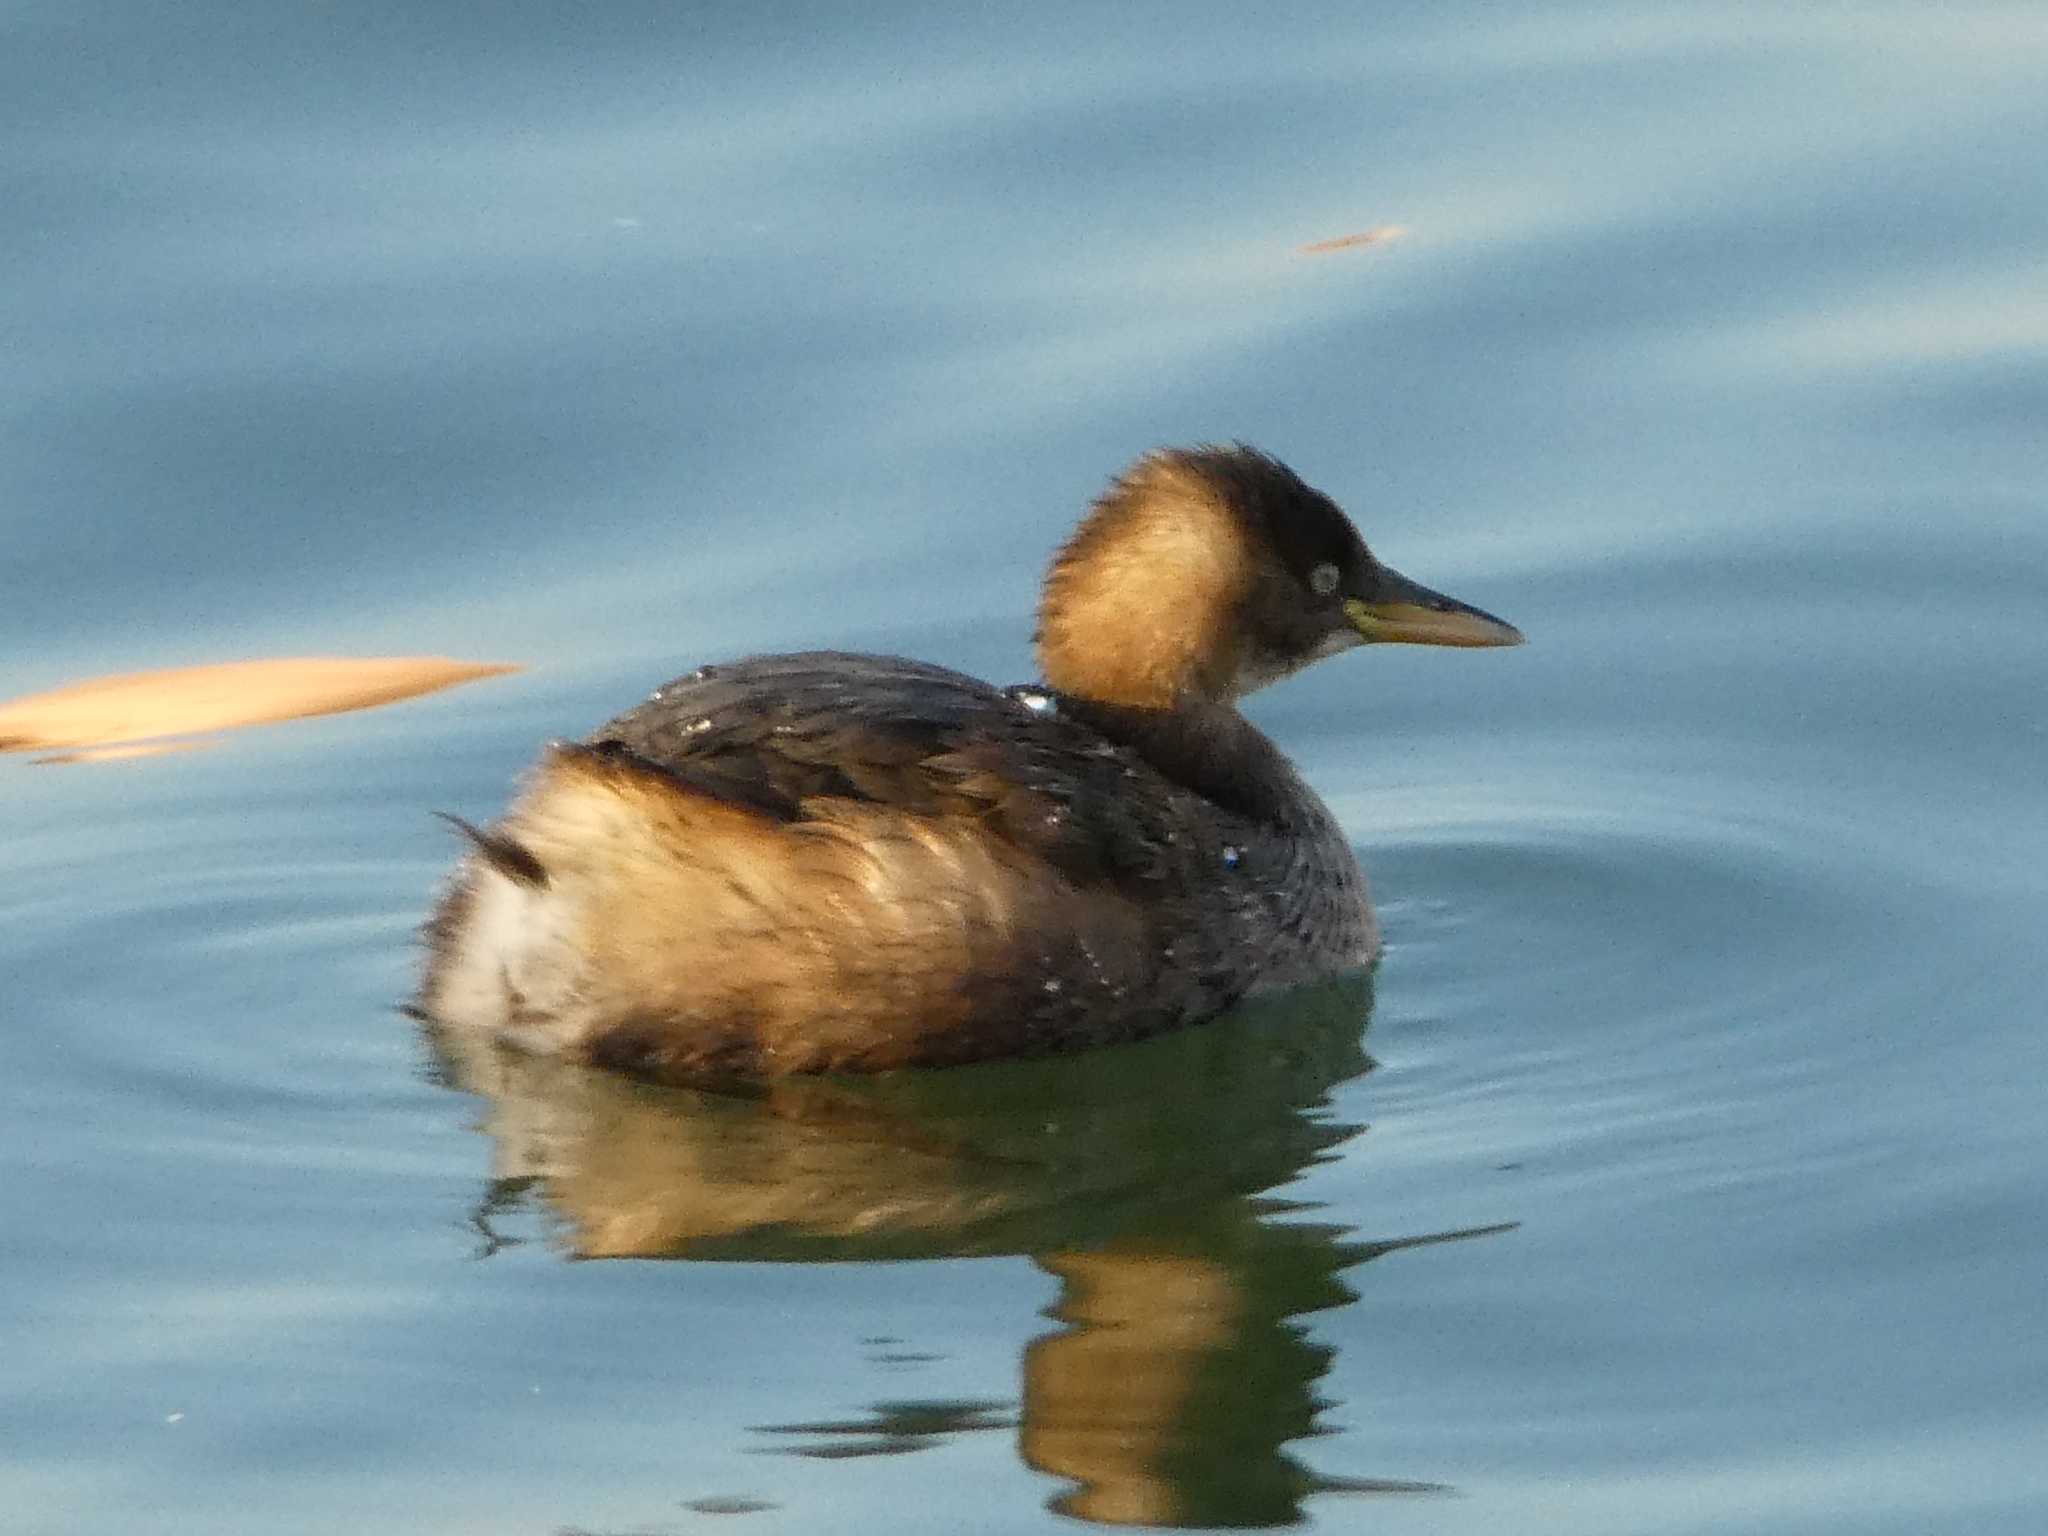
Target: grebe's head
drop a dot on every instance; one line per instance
(1204, 573)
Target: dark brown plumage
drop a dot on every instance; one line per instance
(828, 862)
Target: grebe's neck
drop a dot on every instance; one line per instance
(1211, 749)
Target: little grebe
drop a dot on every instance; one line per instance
(830, 862)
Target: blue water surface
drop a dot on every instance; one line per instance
(1689, 1175)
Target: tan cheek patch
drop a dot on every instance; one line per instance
(1170, 591)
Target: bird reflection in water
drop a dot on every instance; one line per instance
(1179, 1369)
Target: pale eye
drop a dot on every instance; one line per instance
(1323, 579)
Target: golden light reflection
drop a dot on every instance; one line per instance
(131, 714)
(121, 751)
(1382, 234)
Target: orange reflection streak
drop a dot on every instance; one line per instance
(121, 751)
(1379, 234)
(180, 701)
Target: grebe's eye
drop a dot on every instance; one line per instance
(1323, 579)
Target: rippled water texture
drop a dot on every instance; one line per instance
(1692, 1182)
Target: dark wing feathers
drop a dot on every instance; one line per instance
(507, 856)
(775, 732)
